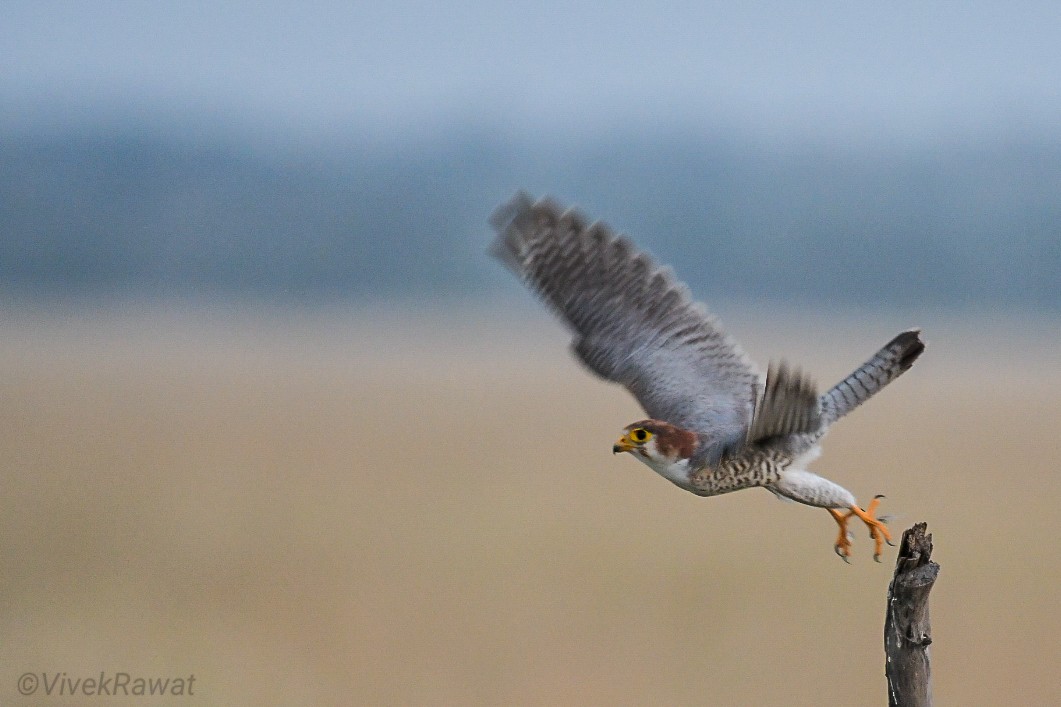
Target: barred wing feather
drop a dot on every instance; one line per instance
(633, 322)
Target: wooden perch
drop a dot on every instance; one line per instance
(907, 628)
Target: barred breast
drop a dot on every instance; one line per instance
(755, 467)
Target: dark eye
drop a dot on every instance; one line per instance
(639, 435)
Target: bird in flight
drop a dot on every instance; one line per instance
(715, 424)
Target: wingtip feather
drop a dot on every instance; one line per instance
(506, 221)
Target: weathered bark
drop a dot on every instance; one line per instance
(907, 628)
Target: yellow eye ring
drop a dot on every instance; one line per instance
(640, 435)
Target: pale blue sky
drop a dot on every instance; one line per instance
(827, 71)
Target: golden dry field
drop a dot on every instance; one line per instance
(338, 507)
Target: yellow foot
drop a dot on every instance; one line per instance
(877, 530)
(843, 540)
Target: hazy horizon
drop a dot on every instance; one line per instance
(867, 154)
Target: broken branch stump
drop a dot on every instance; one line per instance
(907, 627)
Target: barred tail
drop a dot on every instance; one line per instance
(885, 366)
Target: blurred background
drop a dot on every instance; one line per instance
(273, 418)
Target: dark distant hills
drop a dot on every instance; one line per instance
(148, 214)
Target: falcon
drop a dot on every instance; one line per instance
(715, 423)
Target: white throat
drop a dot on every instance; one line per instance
(676, 471)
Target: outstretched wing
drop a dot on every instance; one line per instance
(634, 323)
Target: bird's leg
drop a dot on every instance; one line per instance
(843, 542)
(877, 530)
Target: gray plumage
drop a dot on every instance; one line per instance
(635, 324)
(717, 426)
(789, 405)
(891, 361)
(886, 365)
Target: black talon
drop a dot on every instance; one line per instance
(876, 558)
(880, 495)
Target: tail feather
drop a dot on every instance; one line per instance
(885, 366)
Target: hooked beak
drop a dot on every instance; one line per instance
(623, 445)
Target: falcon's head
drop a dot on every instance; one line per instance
(662, 446)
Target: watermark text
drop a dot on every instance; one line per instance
(104, 684)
